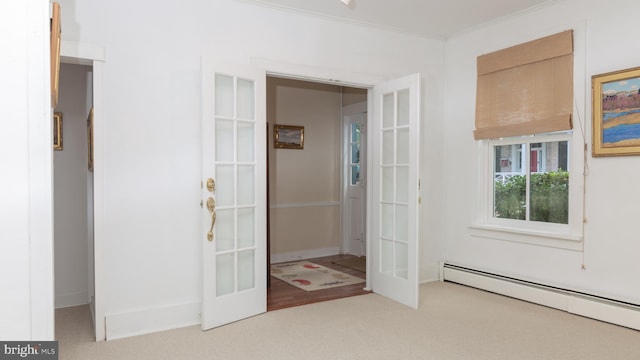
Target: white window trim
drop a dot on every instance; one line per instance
(564, 236)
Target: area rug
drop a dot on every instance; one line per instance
(355, 263)
(310, 276)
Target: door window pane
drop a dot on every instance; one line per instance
(403, 146)
(402, 188)
(225, 230)
(403, 107)
(224, 95)
(225, 267)
(224, 140)
(246, 141)
(355, 132)
(386, 257)
(355, 175)
(386, 221)
(246, 270)
(246, 185)
(402, 260)
(246, 228)
(388, 148)
(225, 185)
(388, 120)
(355, 153)
(246, 99)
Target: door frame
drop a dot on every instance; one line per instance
(322, 75)
(84, 54)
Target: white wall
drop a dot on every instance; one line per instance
(26, 268)
(304, 185)
(603, 33)
(151, 110)
(71, 213)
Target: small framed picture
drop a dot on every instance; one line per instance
(288, 137)
(57, 131)
(616, 113)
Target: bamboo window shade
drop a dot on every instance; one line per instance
(526, 89)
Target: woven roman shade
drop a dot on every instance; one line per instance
(526, 89)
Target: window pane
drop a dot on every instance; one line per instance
(355, 175)
(549, 192)
(388, 102)
(225, 270)
(224, 95)
(246, 270)
(246, 102)
(355, 153)
(355, 132)
(548, 188)
(403, 107)
(509, 189)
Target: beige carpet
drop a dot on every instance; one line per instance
(453, 322)
(355, 263)
(310, 276)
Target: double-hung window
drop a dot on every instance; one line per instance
(530, 170)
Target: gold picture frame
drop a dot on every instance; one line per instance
(616, 113)
(90, 139)
(56, 37)
(57, 131)
(288, 137)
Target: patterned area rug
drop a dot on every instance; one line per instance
(309, 276)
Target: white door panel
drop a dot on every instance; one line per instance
(393, 229)
(233, 193)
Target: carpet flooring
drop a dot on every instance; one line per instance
(452, 322)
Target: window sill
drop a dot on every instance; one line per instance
(555, 240)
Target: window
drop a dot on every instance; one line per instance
(529, 189)
(533, 187)
(531, 158)
(354, 145)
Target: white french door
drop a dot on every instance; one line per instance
(233, 193)
(393, 229)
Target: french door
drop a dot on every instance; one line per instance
(393, 206)
(234, 191)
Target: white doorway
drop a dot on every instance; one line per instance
(73, 189)
(91, 57)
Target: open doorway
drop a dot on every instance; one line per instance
(316, 190)
(73, 196)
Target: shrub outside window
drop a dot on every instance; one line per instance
(531, 181)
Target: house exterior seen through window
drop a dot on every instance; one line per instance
(531, 181)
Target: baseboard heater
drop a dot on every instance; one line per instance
(595, 307)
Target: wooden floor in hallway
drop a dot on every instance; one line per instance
(282, 295)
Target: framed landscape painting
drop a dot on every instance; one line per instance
(288, 137)
(616, 113)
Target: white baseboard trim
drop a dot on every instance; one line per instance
(304, 254)
(607, 310)
(74, 299)
(152, 320)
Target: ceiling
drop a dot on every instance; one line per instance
(437, 19)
